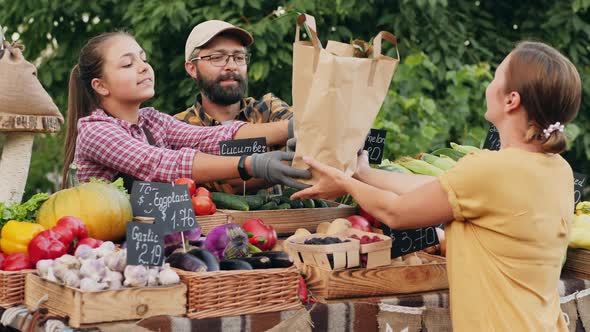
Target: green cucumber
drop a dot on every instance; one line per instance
(287, 192)
(284, 206)
(296, 204)
(229, 201)
(269, 206)
(255, 202)
(320, 203)
(308, 203)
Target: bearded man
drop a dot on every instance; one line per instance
(216, 57)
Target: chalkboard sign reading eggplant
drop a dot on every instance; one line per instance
(169, 204)
(375, 144)
(492, 141)
(410, 240)
(238, 147)
(579, 182)
(145, 244)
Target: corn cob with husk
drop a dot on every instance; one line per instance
(397, 168)
(444, 163)
(420, 167)
(464, 148)
(448, 152)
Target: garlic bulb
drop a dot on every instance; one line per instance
(135, 276)
(167, 276)
(91, 285)
(93, 269)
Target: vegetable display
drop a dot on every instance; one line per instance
(227, 242)
(264, 201)
(16, 235)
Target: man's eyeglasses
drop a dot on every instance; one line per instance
(220, 60)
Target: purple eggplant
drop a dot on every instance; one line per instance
(227, 241)
(186, 262)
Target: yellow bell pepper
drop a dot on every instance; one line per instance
(583, 208)
(16, 236)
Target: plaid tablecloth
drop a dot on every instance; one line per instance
(419, 312)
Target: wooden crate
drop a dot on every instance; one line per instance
(207, 223)
(240, 292)
(286, 222)
(379, 281)
(105, 306)
(578, 263)
(344, 255)
(12, 287)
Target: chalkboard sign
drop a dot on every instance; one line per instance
(579, 182)
(169, 204)
(145, 244)
(492, 141)
(410, 240)
(239, 147)
(375, 144)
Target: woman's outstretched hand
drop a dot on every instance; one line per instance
(330, 182)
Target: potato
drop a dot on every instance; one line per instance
(323, 227)
(337, 226)
(413, 260)
(302, 231)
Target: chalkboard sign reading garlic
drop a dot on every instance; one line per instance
(145, 244)
(169, 204)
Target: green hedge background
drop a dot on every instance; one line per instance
(449, 51)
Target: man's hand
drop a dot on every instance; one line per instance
(270, 167)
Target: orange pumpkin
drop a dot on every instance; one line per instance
(104, 209)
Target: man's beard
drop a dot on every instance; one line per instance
(223, 95)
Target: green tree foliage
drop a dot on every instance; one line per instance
(449, 51)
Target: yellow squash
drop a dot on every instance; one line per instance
(104, 209)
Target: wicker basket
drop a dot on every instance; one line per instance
(209, 222)
(234, 293)
(12, 287)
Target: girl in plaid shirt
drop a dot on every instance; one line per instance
(109, 135)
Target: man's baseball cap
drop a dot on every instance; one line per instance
(204, 32)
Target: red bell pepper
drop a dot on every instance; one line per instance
(374, 222)
(17, 262)
(46, 245)
(259, 234)
(302, 293)
(92, 243)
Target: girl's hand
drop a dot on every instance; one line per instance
(330, 183)
(362, 164)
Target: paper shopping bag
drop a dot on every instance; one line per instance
(336, 97)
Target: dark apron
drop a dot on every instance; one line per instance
(129, 179)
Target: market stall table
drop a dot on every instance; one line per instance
(419, 312)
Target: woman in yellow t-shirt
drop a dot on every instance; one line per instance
(508, 212)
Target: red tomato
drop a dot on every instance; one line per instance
(202, 205)
(189, 182)
(202, 191)
(213, 208)
(359, 222)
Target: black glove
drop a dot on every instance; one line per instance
(270, 167)
(291, 144)
(290, 129)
